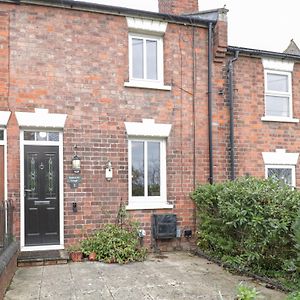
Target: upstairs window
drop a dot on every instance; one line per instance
(278, 94)
(145, 51)
(278, 90)
(146, 58)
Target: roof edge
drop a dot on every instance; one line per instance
(115, 10)
(260, 53)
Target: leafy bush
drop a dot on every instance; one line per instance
(115, 244)
(293, 296)
(247, 223)
(296, 229)
(245, 292)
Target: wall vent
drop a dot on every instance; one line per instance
(164, 226)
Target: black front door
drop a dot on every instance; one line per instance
(41, 182)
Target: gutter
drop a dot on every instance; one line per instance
(230, 70)
(187, 20)
(260, 53)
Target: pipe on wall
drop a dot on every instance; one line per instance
(209, 86)
(230, 70)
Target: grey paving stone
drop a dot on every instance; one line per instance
(180, 276)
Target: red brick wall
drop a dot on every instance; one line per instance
(252, 135)
(76, 63)
(177, 7)
(4, 59)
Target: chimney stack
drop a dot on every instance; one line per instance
(178, 7)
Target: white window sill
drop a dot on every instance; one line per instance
(147, 85)
(137, 206)
(279, 119)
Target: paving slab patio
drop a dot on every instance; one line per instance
(169, 277)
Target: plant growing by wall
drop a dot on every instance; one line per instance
(116, 243)
(248, 223)
(245, 292)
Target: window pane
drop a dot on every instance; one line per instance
(29, 135)
(137, 179)
(1, 135)
(41, 136)
(278, 83)
(277, 106)
(137, 58)
(53, 136)
(284, 175)
(153, 168)
(151, 59)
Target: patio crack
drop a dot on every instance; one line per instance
(106, 285)
(41, 282)
(73, 283)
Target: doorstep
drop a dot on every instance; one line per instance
(42, 258)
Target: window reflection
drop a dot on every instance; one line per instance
(284, 175)
(41, 136)
(137, 168)
(153, 169)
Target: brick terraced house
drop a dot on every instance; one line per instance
(102, 105)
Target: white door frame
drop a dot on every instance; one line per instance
(61, 189)
(4, 144)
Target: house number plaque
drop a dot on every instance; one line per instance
(74, 181)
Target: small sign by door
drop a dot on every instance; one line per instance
(74, 181)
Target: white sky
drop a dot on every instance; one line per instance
(260, 24)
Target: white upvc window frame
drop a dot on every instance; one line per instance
(280, 159)
(290, 167)
(144, 82)
(273, 93)
(148, 202)
(143, 28)
(148, 130)
(278, 67)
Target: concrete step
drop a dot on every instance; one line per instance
(42, 258)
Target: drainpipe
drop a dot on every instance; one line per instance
(231, 107)
(209, 86)
(194, 111)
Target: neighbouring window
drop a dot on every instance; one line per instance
(285, 174)
(281, 165)
(147, 170)
(41, 136)
(278, 94)
(145, 58)
(1, 135)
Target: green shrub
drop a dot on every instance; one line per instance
(247, 223)
(293, 296)
(296, 229)
(245, 292)
(115, 244)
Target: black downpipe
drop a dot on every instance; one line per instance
(194, 111)
(209, 86)
(231, 109)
